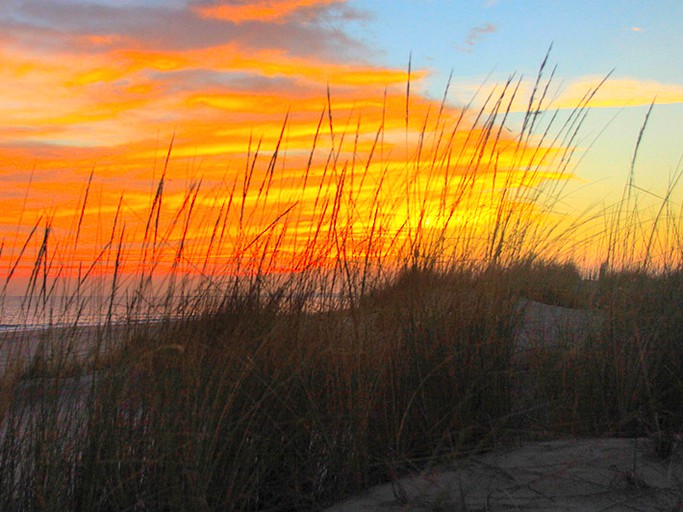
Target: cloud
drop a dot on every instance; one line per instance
(60, 25)
(85, 73)
(106, 85)
(636, 29)
(118, 78)
(620, 92)
(242, 11)
(475, 34)
(614, 93)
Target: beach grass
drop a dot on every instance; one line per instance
(315, 361)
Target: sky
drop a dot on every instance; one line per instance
(97, 91)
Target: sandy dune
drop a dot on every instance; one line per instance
(582, 475)
(543, 325)
(575, 474)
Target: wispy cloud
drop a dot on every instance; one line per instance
(620, 92)
(475, 35)
(613, 93)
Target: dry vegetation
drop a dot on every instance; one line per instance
(256, 390)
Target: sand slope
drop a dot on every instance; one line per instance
(581, 475)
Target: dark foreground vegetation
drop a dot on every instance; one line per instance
(288, 391)
(257, 404)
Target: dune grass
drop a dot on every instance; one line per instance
(289, 379)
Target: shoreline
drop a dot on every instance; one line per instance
(19, 346)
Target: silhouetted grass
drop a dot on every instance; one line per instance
(271, 385)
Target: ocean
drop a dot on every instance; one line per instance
(21, 312)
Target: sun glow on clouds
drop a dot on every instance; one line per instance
(596, 91)
(368, 161)
(623, 92)
(261, 10)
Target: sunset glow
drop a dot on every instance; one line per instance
(201, 136)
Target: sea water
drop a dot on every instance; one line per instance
(21, 312)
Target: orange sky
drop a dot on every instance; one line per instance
(370, 165)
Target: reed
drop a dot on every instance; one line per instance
(338, 337)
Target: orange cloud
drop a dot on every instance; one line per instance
(269, 62)
(369, 165)
(260, 10)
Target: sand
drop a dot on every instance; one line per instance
(545, 326)
(573, 474)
